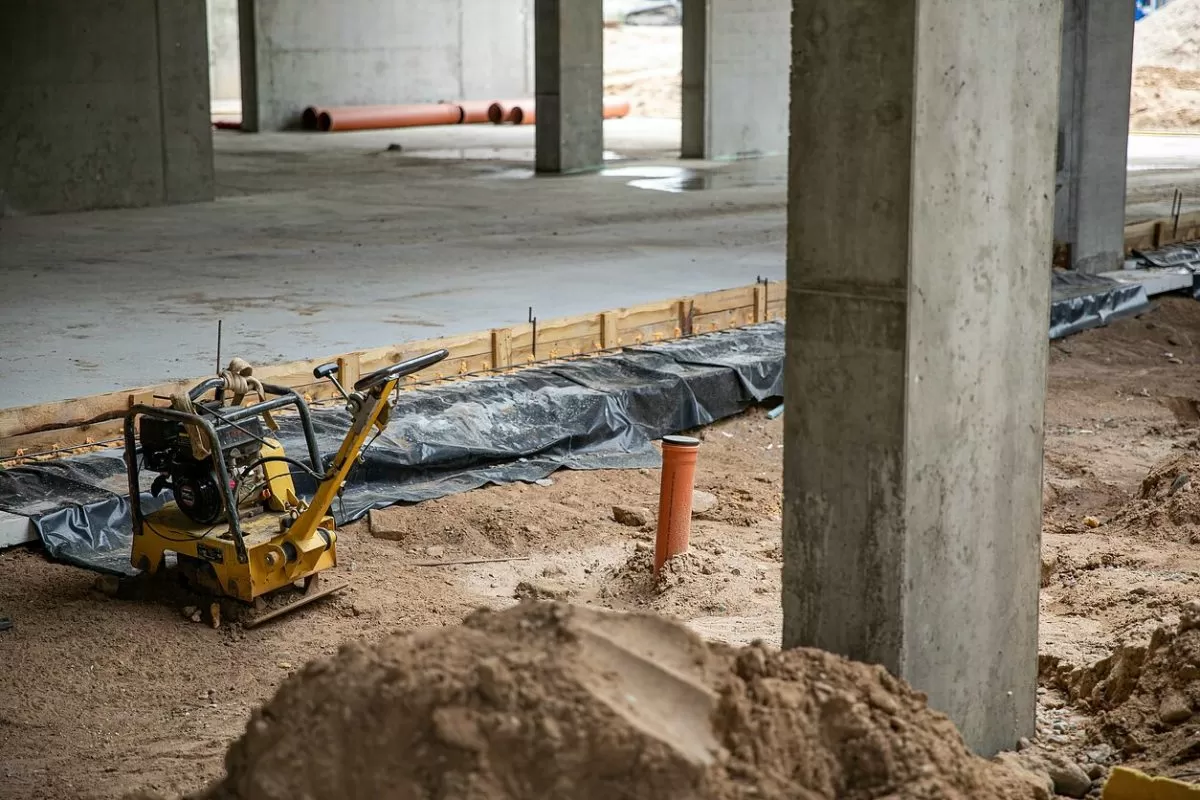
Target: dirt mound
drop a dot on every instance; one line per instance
(643, 64)
(713, 582)
(550, 700)
(1164, 99)
(1166, 79)
(1146, 696)
(1170, 37)
(1167, 506)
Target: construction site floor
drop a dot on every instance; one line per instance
(324, 243)
(101, 695)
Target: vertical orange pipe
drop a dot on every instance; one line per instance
(675, 498)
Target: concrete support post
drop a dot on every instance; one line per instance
(569, 83)
(693, 137)
(1097, 68)
(919, 236)
(185, 102)
(105, 105)
(735, 86)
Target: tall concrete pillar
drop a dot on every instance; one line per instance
(1097, 68)
(569, 82)
(919, 236)
(104, 104)
(735, 78)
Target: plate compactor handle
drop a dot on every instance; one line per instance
(326, 370)
(382, 376)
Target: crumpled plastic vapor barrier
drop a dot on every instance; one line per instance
(593, 413)
(1079, 301)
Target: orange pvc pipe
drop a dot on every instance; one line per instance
(525, 112)
(474, 111)
(361, 118)
(501, 110)
(675, 498)
(616, 107)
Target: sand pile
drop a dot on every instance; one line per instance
(1166, 58)
(643, 64)
(1170, 37)
(550, 700)
(1146, 696)
(1167, 506)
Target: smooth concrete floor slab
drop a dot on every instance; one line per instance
(322, 244)
(1159, 164)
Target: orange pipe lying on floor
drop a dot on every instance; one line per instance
(475, 111)
(524, 112)
(501, 110)
(362, 118)
(675, 498)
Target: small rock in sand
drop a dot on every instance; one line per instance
(633, 516)
(544, 482)
(702, 502)
(1069, 778)
(1091, 522)
(437, 551)
(108, 584)
(1174, 708)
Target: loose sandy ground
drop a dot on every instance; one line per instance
(99, 696)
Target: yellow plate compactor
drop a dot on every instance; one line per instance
(237, 526)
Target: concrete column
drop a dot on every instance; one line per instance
(919, 237)
(1097, 67)
(736, 55)
(569, 82)
(105, 104)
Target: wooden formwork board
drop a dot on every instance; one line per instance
(1163, 231)
(38, 429)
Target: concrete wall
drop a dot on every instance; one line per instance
(1097, 68)
(736, 56)
(370, 52)
(224, 61)
(104, 104)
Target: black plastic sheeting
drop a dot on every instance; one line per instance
(1079, 301)
(596, 413)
